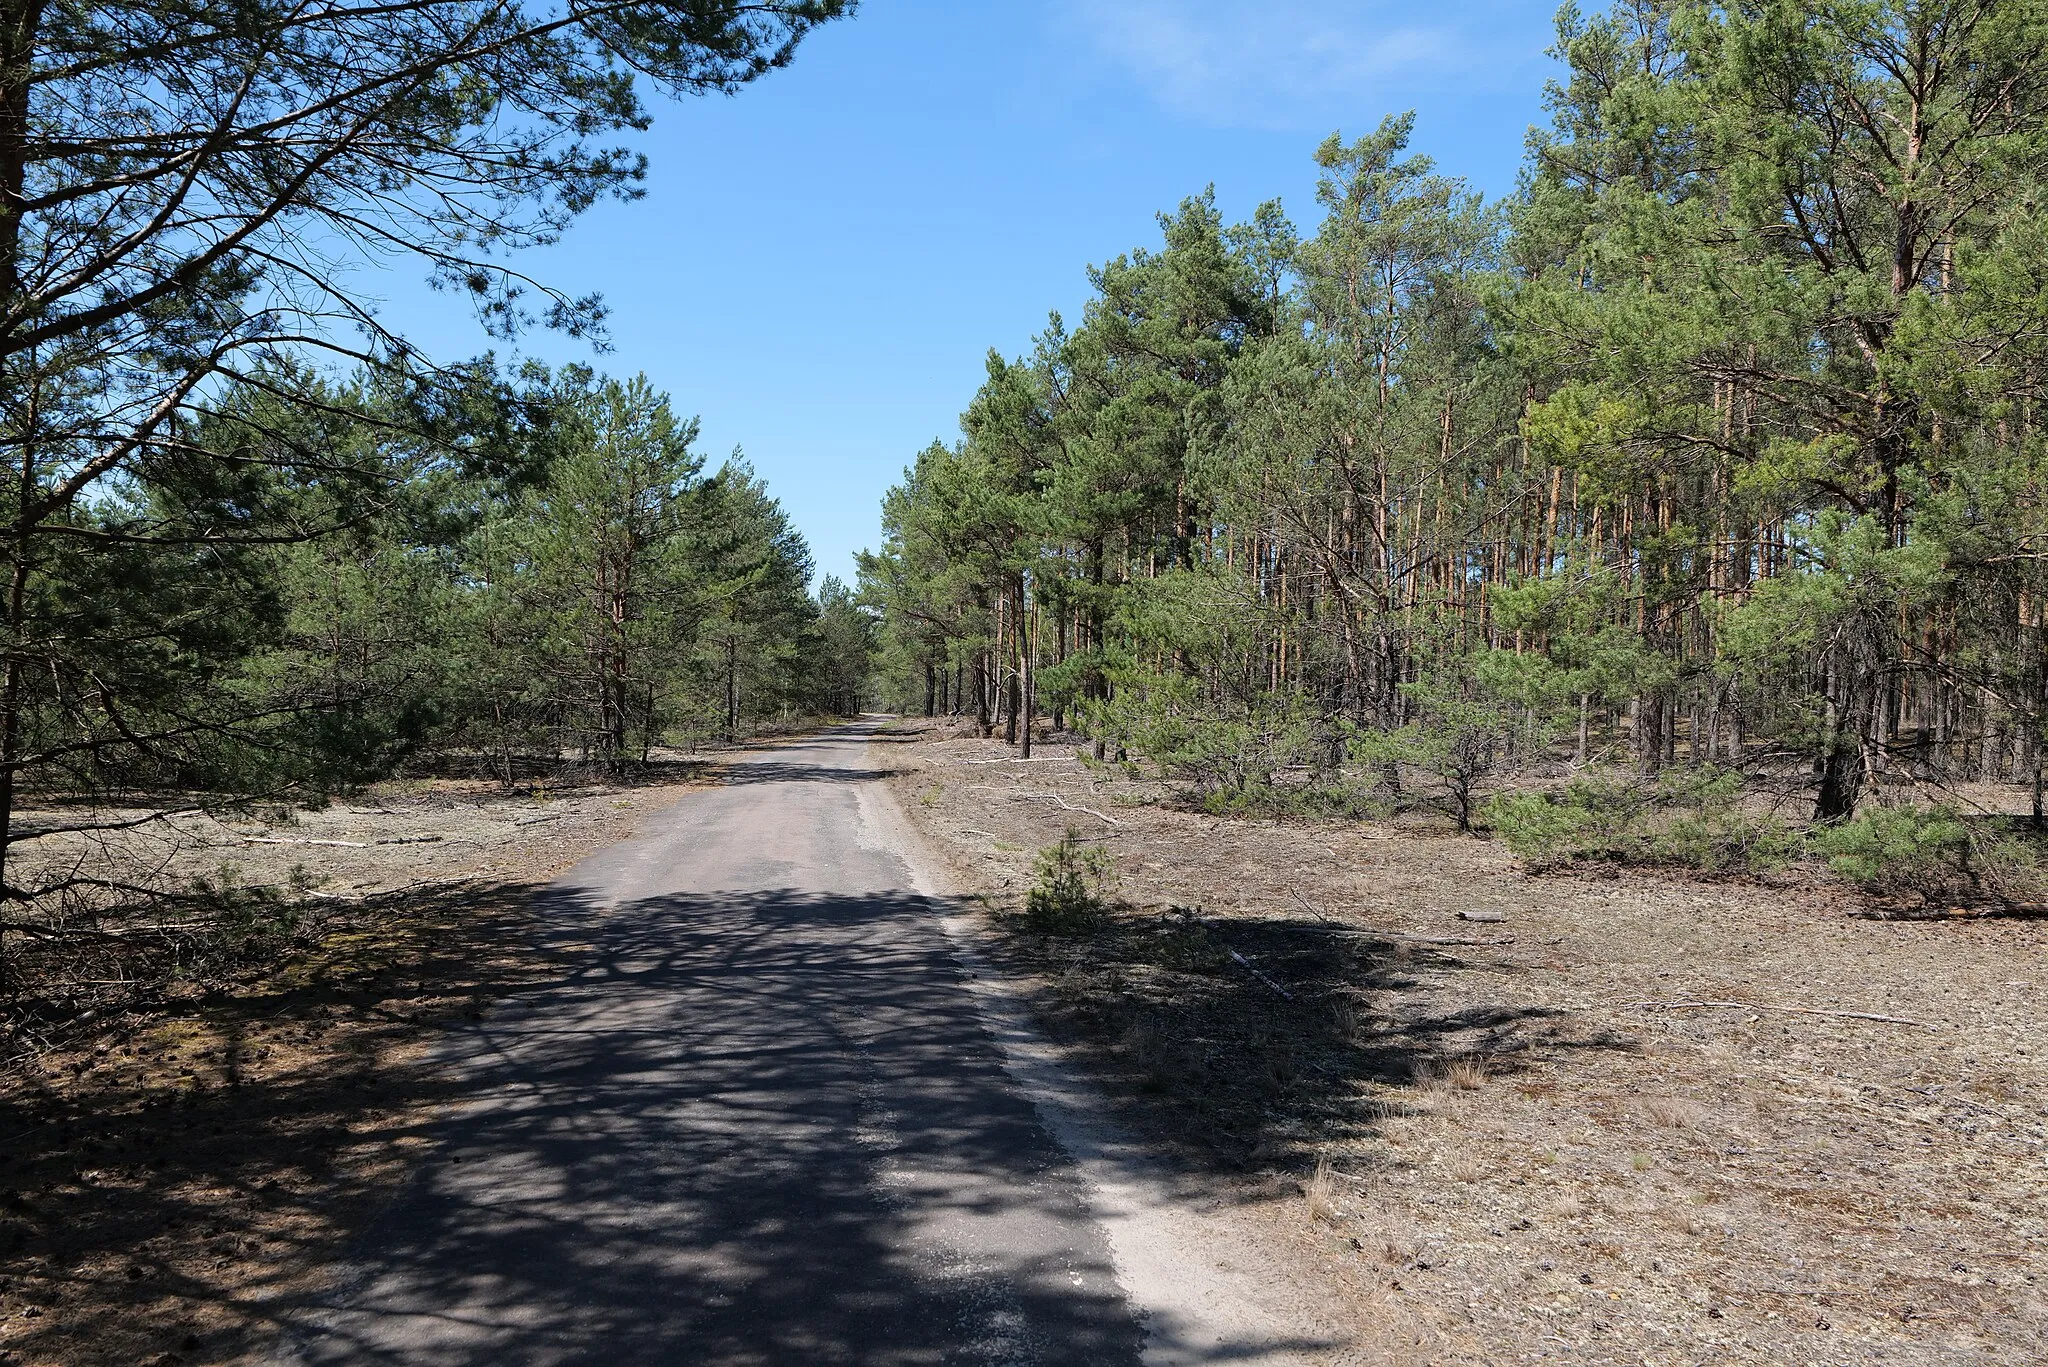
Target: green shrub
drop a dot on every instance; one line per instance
(1710, 829)
(1539, 828)
(1073, 887)
(1462, 738)
(1593, 817)
(1310, 800)
(1693, 818)
(1899, 849)
(1930, 851)
(2007, 866)
(1728, 841)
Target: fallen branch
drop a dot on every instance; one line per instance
(98, 933)
(293, 840)
(381, 894)
(1014, 759)
(1935, 1095)
(1252, 969)
(1370, 933)
(1072, 808)
(1048, 797)
(1245, 963)
(1438, 939)
(1313, 909)
(1767, 1006)
(1996, 911)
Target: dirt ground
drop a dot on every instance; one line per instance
(187, 1132)
(1503, 1118)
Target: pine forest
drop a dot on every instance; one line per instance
(1704, 473)
(261, 547)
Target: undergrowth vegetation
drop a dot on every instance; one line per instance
(1695, 818)
(1932, 852)
(1075, 884)
(1701, 820)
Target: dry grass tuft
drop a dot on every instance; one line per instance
(1393, 1250)
(1465, 1167)
(1465, 1075)
(1438, 1085)
(1142, 1042)
(1382, 1109)
(1388, 1237)
(1675, 1113)
(1321, 1190)
(1152, 1055)
(1998, 1085)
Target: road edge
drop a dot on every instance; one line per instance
(1189, 1274)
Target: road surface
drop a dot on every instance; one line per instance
(772, 1118)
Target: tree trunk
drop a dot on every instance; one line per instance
(1028, 704)
(732, 691)
(1646, 725)
(16, 647)
(2039, 731)
(1841, 782)
(984, 725)
(1852, 693)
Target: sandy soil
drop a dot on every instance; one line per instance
(1499, 1118)
(191, 1124)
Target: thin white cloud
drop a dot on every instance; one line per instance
(1282, 63)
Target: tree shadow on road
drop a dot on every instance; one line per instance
(781, 771)
(747, 1128)
(729, 1128)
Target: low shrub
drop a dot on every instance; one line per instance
(1930, 851)
(1541, 829)
(1592, 817)
(2009, 866)
(1073, 889)
(1704, 825)
(1731, 841)
(1898, 849)
(1691, 818)
(1307, 801)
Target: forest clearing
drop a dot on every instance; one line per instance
(1606, 1115)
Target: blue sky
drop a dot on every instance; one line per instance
(822, 262)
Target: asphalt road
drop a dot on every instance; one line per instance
(764, 1123)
